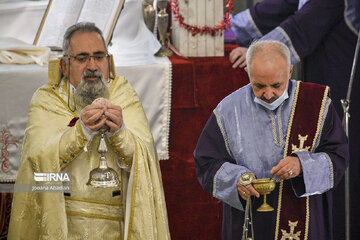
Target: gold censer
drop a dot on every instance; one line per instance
(264, 186)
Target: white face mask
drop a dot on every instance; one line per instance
(275, 104)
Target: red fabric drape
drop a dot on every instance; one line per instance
(5, 209)
(199, 84)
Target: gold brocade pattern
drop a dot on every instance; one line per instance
(51, 146)
(277, 128)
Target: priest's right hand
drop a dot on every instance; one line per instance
(93, 116)
(238, 57)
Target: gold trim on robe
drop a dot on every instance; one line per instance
(314, 130)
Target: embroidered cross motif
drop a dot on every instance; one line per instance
(4, 139)
(291, 235)
(302, 140)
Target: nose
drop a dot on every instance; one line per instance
(268, 94)
(91, 64)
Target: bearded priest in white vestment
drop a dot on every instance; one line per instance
(62, 135)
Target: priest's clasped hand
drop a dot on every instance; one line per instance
(288, 167)
(96, 115)
(114, 118)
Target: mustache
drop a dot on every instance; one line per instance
(92, 74)
(272, 99)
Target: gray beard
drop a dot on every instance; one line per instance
(87, 91)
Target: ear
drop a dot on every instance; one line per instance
(291, 70)
(64, 67)
(112, 73)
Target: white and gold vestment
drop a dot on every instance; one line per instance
(50, 145)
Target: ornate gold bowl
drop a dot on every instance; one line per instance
(264, 186)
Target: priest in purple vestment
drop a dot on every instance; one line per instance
(322, 35)
(248, 132)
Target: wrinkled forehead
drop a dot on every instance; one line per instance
(268, 65)
(269, 55)
(86, 43)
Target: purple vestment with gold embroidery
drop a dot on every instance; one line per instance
(322, 34)
(242, 136)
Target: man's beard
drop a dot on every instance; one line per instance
(87, 91)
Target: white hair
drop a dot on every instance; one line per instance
(260, 45)
(80, 27)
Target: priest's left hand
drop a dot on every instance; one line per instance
(114, 117)
(288, 167)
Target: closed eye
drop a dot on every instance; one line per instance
(260, 86)
(276, 85)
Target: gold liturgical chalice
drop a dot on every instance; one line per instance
(264, 186)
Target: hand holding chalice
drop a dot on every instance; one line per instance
(103, 176)
(248, 185)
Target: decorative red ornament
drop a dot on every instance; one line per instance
(6, 142)
(218, 29)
